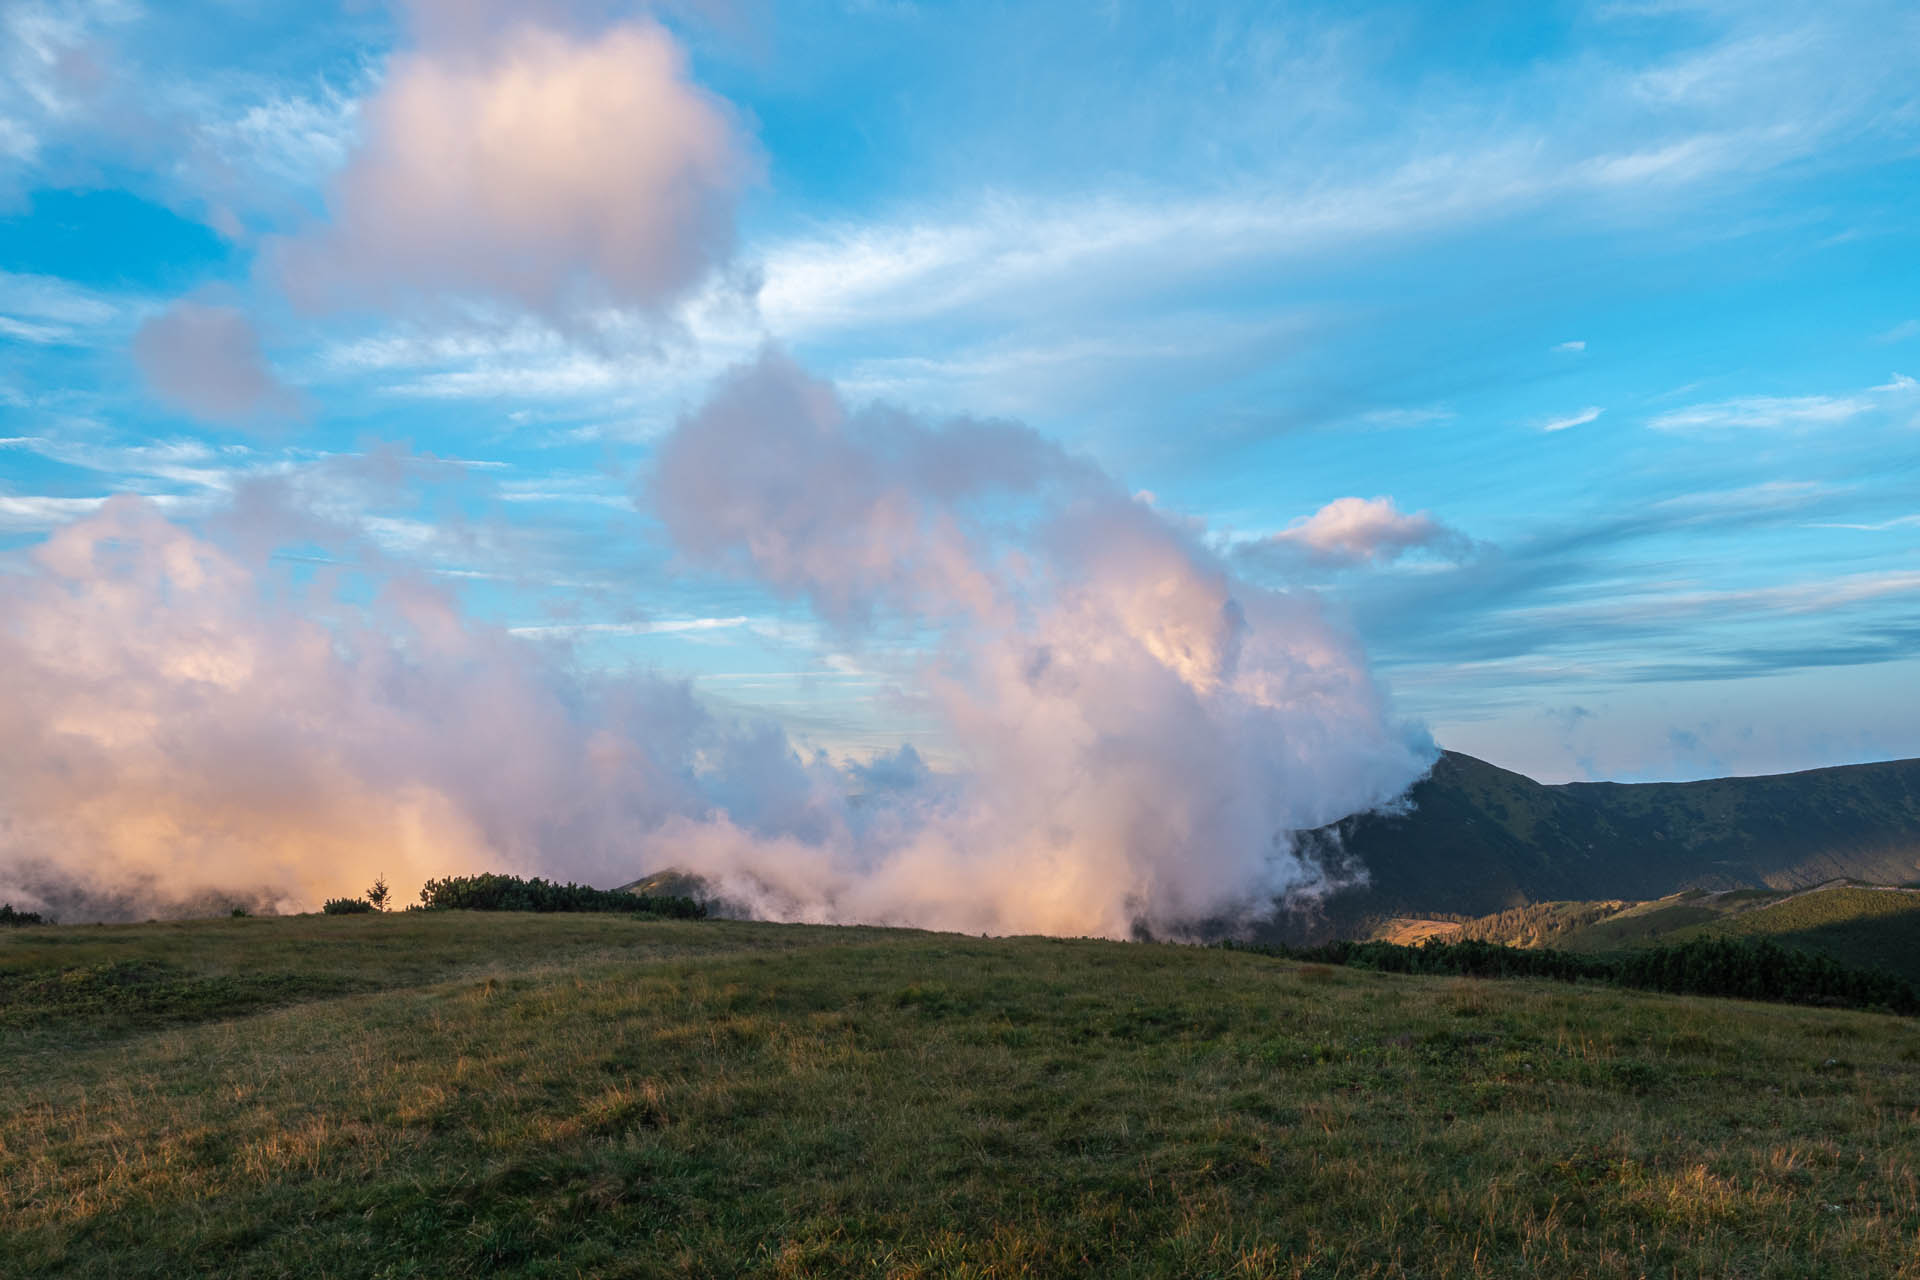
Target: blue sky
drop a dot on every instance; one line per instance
(1616, 304)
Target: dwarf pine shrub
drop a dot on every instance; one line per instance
(493, 892)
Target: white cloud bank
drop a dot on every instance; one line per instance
(1137, 732)
(1140, 731)
(179, 723)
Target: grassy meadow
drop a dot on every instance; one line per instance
(453, 1093)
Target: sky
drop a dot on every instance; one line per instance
(1564, 354)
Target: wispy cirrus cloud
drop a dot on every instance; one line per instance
(43, 49)
(1877, 526)
(38, 513)
(1530, 613)
(46, 310)
(1589, 414)
(155, 466)
(1789, 413)
(651, 627)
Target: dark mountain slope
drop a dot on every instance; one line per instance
(1479, 839)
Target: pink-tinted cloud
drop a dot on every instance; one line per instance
(1357, 531)
(206, 360)
(178, 722)
(1136, 731)
(514, 157)
(1141, 731)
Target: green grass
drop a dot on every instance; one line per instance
(1648, 924)
(587, 1095)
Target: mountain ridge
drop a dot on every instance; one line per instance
(1473, 838)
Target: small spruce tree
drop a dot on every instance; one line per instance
(378, 894)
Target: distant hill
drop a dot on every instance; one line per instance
(1477, 839)
(1864, 926)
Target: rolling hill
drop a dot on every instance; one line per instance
(1477, 839)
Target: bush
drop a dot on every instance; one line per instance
(8, 916)
(346, 906)
(491, 892)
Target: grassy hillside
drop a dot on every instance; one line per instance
(1480, 839)
(1865, 927)
(452, 1093)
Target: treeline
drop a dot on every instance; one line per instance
(1739, 968)
(8, 916)
(492, 892)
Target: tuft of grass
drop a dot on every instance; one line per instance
(564, 1095)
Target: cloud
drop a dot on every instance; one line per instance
(189, 464)
(529, 163)
(1737, 97)
(1571, 347)
(1788, 413)
(45, 310)
(1583, 604)
(1139, 729)
(1357, 531)
(35, 513)
(179, 722)
(1901, 332)
(46, 74)
(1878, 526)
(658, 626)
(1137, 732)
(39, 334)
(206, 360)
(1580, 419)
(1821, 595)
(1764, 412)
(780, 484)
